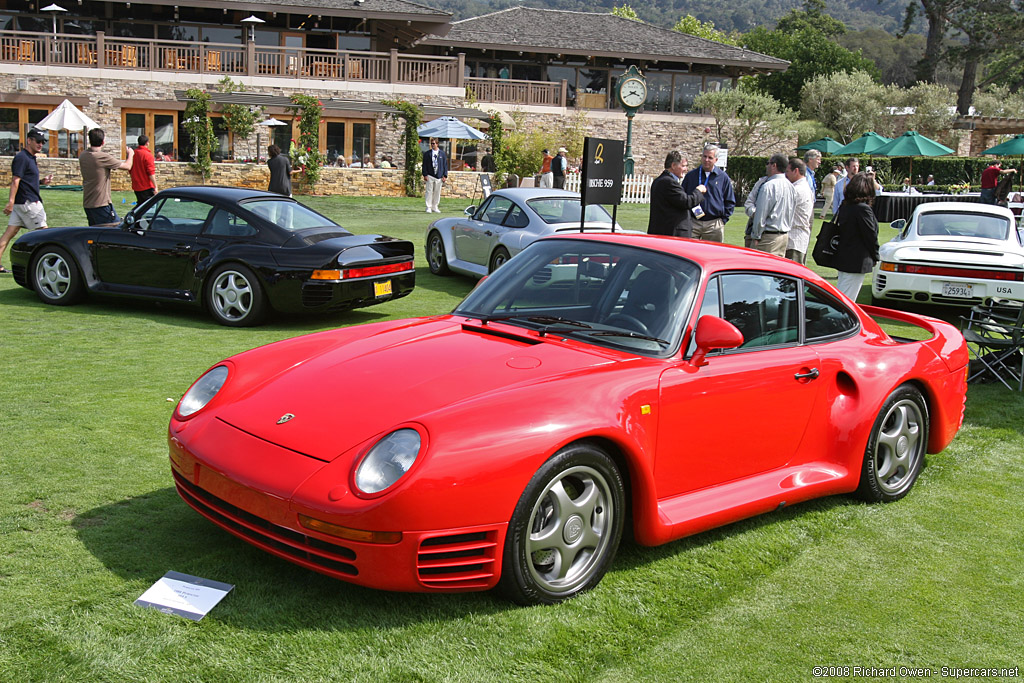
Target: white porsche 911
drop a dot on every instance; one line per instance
(951, 253)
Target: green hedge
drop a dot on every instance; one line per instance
(745, 170)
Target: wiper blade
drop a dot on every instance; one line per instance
(631, 335)
(539, 319)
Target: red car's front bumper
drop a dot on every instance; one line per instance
(458, 559)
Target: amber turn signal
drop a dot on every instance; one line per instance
(350, 534)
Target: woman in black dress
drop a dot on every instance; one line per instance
(858, 235)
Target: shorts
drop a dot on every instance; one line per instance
(30, 215)
(102, 215)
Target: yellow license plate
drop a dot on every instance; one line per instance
(382, 288)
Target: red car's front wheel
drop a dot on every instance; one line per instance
(566, 527)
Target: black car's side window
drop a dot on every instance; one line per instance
(227, 224)
(179, 216)
(824, 317)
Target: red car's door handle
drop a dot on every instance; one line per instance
(810, 374)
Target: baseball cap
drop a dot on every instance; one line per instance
(36, 135)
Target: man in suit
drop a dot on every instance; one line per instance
(719, 201)
(670, 204)
(435, 172)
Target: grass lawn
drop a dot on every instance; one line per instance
(89, 520)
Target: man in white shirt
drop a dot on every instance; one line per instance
(803, 213)
(852, 168)
(774, 209)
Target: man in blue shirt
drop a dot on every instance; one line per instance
(812, 159)
(710, 217)
(24, 206)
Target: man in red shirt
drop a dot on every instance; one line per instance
(143, 171)
(547, 178)
(989, 180)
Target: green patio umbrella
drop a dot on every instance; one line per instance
(1013, 147)
(913, 144)
(826, 145)
(865, 144)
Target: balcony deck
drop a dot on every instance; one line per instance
(101, 51)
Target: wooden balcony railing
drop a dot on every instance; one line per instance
(101, 51)
(508, 91)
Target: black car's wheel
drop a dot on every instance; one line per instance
(498, 259)
(55, 277)
(896, 447)
(234, 296)
(565, 528)
(436, 258)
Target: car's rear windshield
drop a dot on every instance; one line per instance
(962, 224)
(288, 214)
(567, 210)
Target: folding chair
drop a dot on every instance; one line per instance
(995, 337)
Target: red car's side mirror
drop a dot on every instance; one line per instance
(714, 333)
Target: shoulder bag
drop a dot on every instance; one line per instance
(826, 246)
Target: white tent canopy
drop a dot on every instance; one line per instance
(67, 117)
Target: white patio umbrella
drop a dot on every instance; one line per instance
(269, 123)
(67, 117)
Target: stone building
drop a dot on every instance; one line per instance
(127, 64)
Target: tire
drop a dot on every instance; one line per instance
(55, 277)
(565, 529)
(896, 448)
(234, 296)
(498, 259)
(436, 257)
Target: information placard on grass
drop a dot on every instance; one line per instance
(187, 596)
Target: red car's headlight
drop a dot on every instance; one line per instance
(388, 461)
(203, 391)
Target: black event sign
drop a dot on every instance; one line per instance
(601, 180)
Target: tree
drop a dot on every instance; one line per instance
(812, 16)
(626, 12)
(985, 25)
(810, 54)
(848, 103)
(240, 119)
(998, 100)
(693, 26)
(932, 106)
(896, 58)
(936, 12)
(749, 122)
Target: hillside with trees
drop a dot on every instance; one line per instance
(735, 15)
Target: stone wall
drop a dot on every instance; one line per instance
(108, 116)
(654, 135)
(346, 182)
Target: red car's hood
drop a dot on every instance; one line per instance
(354, 391)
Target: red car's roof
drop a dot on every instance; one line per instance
(712, 256)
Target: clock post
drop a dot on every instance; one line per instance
(632, 94)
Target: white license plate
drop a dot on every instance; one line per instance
(382, 288)
(957, 290)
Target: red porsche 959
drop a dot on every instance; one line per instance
(593, 381)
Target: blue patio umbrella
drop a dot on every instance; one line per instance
(449, 128)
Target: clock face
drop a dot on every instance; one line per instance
(633, 92)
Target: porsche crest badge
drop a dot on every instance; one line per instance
(285, 418)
